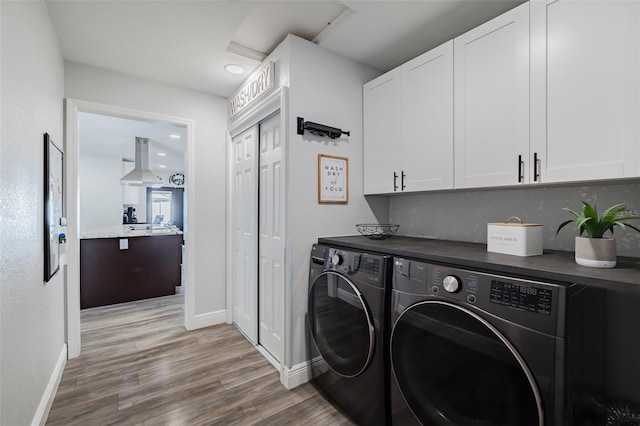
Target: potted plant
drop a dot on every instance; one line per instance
(596, 250)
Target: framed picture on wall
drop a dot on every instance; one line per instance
(53, 196)
(333, 179)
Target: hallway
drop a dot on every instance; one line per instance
(139, 365)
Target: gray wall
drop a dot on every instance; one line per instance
(463, 215)
(32, 349)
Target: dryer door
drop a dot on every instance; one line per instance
(341, 324)
(454, 368)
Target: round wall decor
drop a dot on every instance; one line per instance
(176, 179)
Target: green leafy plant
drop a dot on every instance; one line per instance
(588, 221)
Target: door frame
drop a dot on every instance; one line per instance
(72, 109)
(275, 101)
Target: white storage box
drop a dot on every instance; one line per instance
(518, 239)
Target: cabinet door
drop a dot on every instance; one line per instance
(382, 99)
(491, 85)
(427, 94)
(586, 89)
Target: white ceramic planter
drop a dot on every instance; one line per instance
(596, 252)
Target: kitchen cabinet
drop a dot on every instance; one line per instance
(585, 89)
(117, 270)
(491, 85)
(408, 125)
(130, 193)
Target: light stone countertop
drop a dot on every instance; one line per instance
(129, 231)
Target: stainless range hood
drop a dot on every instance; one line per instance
(141, 175)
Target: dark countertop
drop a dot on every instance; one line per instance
(551, 265)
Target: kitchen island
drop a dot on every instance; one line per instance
(129, 262)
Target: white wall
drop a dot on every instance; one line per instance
(100, 191)
(325, 88)
(32, 312)
(209, 115)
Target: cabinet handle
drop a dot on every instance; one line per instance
(402, 181)
(520, 167)
(395, 181)
(536, 168)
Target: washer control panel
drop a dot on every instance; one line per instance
(368, 267)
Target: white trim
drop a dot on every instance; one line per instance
(230, 224)
(40, 418)
(72, 208)
(297, 375)
(205, 320)
(72, 108)
(271, 103)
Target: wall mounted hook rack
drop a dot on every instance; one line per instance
(320, 129)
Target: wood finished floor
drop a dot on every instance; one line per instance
(139, 366)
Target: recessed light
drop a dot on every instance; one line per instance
(162, 154)
(234, 68)
(174, 136)
(162, 166)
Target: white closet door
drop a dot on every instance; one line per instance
(271, 239)
(245, 222)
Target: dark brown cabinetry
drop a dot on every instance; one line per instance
(149, 267)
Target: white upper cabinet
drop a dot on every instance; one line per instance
(427, 108)
(408, 126)
(585, 93)
(491, 86)
(382, 99)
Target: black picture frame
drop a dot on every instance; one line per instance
(53, 205)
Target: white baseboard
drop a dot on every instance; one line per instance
(297, 375)
(206, 320)
(40, 418)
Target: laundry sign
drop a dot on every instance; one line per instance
(333, 179)
(261, 83)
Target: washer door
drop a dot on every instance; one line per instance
(454, 368)
(341, 324)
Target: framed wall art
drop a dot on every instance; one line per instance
(53, 196)
(333, 179)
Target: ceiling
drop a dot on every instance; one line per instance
(187, 43)
(115, 137)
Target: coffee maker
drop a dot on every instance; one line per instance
(129, 215)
